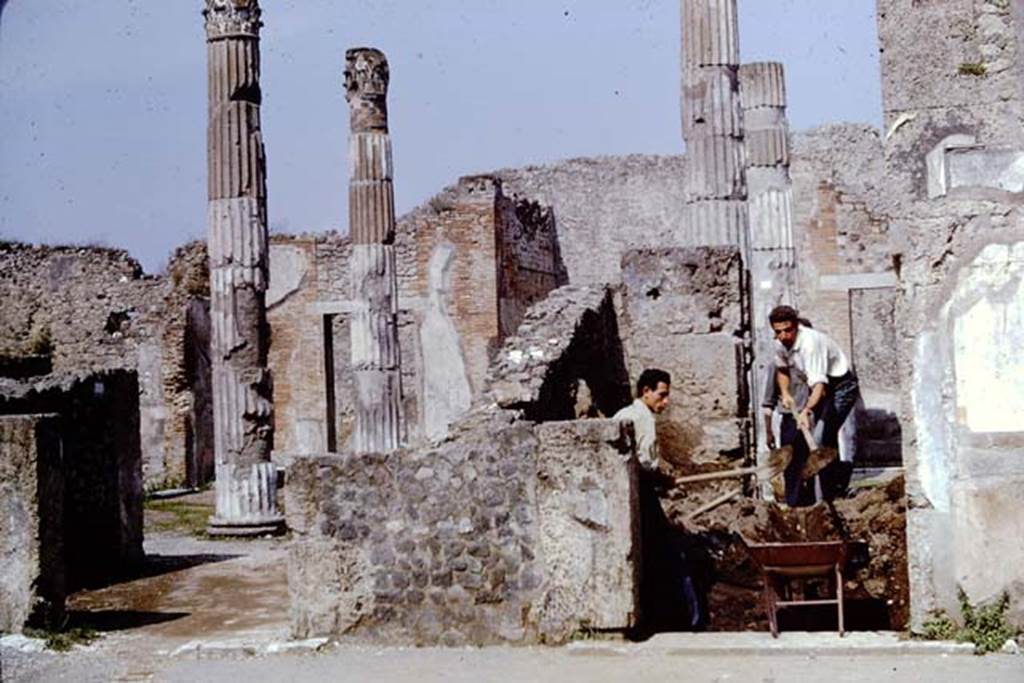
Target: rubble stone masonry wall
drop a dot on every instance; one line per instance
(504, 533)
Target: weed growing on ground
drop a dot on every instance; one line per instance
(62, 640)
(972, 69)
(984, 625)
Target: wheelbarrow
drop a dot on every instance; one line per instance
(782, 563)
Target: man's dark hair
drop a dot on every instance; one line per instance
(784, 314)
(650, 378)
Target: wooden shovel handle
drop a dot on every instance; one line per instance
(809, 437)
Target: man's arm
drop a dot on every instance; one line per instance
(816, 360)
(769, 435)
(803, 420)
(782, 379)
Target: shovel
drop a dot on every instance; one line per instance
(818, 458)
(778, 460)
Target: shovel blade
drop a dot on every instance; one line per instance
(817, 460)
(779, 459)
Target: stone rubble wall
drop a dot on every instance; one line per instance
(32, 584)
(83, 299)
(100, 311)
(101, 466)
(604, 205)
(682, 312)
(465, 543)
(566, 359)
(956, 90)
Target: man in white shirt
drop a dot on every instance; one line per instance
(816, 359)
(652, 390)
(667, 562)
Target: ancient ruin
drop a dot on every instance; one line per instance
(237, 217)
(443, 381)
(376, 356)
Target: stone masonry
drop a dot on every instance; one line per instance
(954, 126)
(32, 582)
(98, 426)
(682, 311)
(237, 219)
(507, 531)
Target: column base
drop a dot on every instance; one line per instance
(245, 529)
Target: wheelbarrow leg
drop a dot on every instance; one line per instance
(769, 603)
(839, 598)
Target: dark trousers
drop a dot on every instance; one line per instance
(672, 594)
(840, 397)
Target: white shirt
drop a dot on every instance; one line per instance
(644, 429)
(814, 355)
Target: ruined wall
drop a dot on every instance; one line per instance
(605, 205)
(101, 458)
(75, 302)
(467, 543)
(529, 259)
(174, 374)
(953, 115)
(682, 312)
(296, 346)
(32, 586)
(92, 308)
(471, 261)
(566, 359)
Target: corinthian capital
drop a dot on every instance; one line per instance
(366, 88)
(225, 18)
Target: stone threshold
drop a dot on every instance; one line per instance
(788, 643)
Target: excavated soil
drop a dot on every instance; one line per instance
(877, 585)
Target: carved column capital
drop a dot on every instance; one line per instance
(232, 19)
(366, 88)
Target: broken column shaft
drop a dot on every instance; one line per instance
(237, 219)
(769, 188)
(376, 360)
(713, 125)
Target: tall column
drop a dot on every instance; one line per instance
(770, 191)
(376, 361)
(715, 188)
(237, 219)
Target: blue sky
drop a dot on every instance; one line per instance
(103, 102)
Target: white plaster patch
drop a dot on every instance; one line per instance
(932, 468)
(288, 266)
(988, 339)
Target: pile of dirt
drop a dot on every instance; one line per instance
(877, 583)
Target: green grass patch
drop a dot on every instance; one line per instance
(171, 515)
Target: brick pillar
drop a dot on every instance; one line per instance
(376, 360)
(237, 219)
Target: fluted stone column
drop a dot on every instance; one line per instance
(376, 361)
(237, 219)
(716, 212)
(772, 259)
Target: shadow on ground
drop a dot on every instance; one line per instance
(118, 619)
